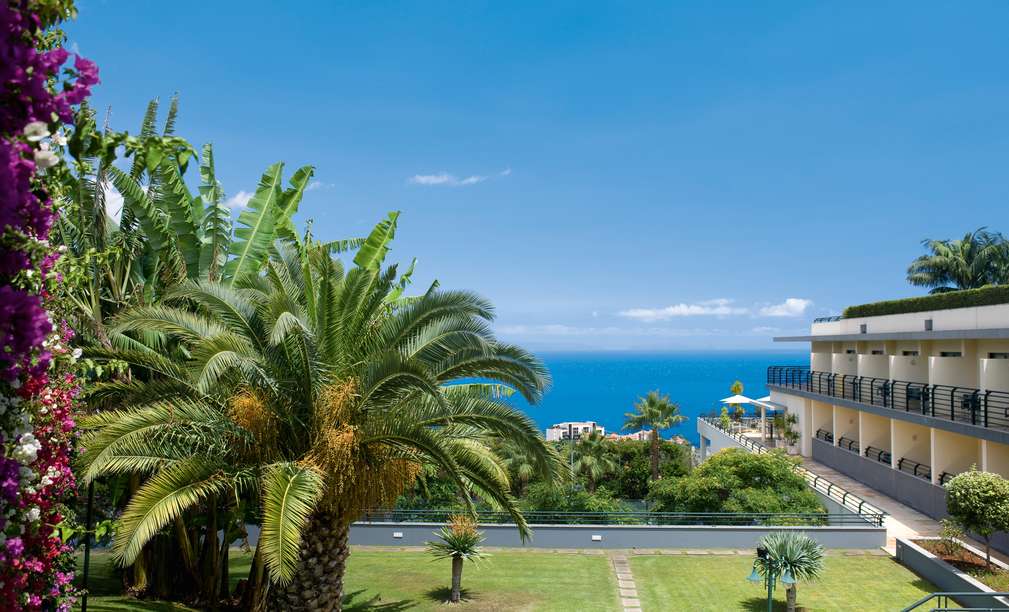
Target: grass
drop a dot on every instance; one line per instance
(393, 580)
(718, 583)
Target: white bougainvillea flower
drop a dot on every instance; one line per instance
(46, 159)
(36, 131)
(60, 139)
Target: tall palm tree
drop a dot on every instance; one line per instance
(795, 553)
(593, 459)
(318, 391)
(978, 259)
(521, 467)
(656, 412)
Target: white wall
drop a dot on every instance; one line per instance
(980, 317)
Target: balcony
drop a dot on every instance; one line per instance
(987, 409)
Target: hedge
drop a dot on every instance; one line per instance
(985, 296)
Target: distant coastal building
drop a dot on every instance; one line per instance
(573, 429)
(904, 395)
(637, 435)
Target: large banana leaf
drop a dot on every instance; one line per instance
(155, 223)
(174, 198)
(216, 225)
(256, 230)
(372, 253)
(289, 202)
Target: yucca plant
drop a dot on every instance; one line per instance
(320, 393)
(792, 553)
(460, 541)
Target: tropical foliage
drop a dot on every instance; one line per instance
(317, 390)
(979, 258)
(655, 412)
(734, 480)
(459, 541)
(592, 459)
(791, 554)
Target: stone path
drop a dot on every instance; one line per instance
(625, 582)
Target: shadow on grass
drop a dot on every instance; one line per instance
(759, 604)
(443, 594)
(374, 603)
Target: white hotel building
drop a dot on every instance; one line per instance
(573, 430)
(904, 402)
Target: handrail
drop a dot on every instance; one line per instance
(920, 470)
(977, 407)
(818, 483)
(942, 600)
(848, 444)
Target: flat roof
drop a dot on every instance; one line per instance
(942, 334)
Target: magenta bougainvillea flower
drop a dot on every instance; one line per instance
(37, 384)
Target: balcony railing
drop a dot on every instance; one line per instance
(825, 435)
(912, 467)
(989, 409)
(878, 454)
(848, 444)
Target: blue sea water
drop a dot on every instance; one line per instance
(603, 386)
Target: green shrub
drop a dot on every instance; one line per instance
(985, 296)
(631, 479)
(551, 498)
(734, 480)
(979, 503)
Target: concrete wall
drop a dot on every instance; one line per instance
(909, 368)
(911, 441)
(994, 374)
(995, 457)
(954, 453)
(619, 536)
(821, 362)
(953, 371)
(873, 431)
(845, 423)
(844, 363)
(876, 366)
(980, 317)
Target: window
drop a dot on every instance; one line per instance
(909, 353)
(998, 355)
(877, 352)
(850, 351)
(950, 354)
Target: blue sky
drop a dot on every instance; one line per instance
(611, 175)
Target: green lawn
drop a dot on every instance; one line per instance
(389, 581)
(718, 583)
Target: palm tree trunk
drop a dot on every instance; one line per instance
(655, 454)
(456, 579)
(790, 596)
(318, 582)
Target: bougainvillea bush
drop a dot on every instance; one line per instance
(39, 86)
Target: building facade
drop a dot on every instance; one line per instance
(903, 402)
(573, 430)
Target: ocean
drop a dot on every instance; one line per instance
(602, 386)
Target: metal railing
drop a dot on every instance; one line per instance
(910, 466)
(859, 506)
(945, 477)
(827, 319)
(943, 601)
(879, 454)
(825, 435)
(989, 409)
(848, 444)
(743, 519)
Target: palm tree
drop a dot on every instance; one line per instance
(460, 541)
(657, 412)
(978, 259)
(793, 553)
(318, 392)
(593, 458)
(521, 467)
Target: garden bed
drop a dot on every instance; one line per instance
(969, 562)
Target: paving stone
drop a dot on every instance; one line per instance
(626, 584)
(630, 603)
(620, 557)
(698, 552)
(625, 576)
(629, 593)
(632, 609)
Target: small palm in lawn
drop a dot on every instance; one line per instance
(977, 259)
(657, 412)
(793, 553)
(460, 541)
(593, 459)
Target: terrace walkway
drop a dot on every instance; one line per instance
(901, 521)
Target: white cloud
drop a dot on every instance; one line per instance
(764, 330)
(557, 329)
(451, 180)
(317, 185)
(720, 308)
(239, 200)
(791, 307)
